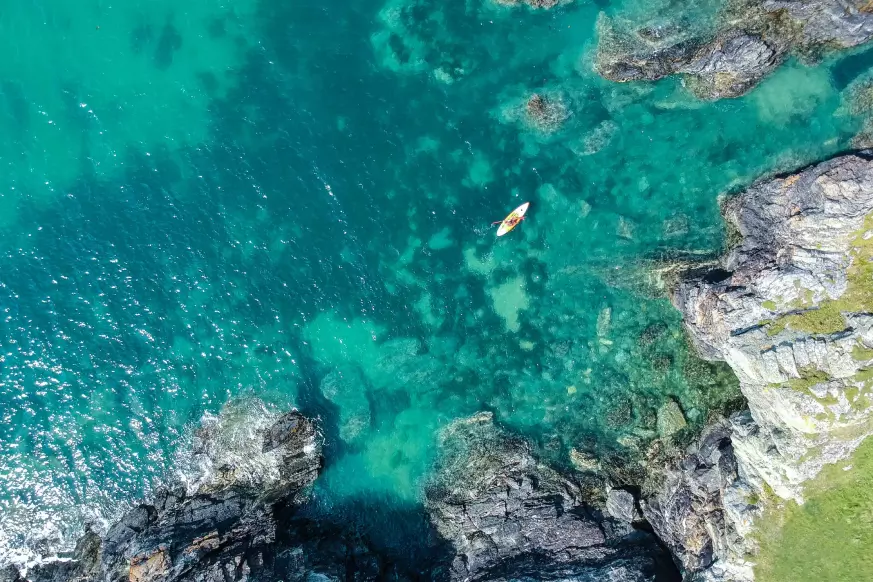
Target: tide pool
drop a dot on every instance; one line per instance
(212, 201)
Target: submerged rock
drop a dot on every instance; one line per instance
(670, 419)
(347, 389)
(788, 309)
(509, 516)
(751, 38)
(583, 461)
(545, 113)
(545, 4)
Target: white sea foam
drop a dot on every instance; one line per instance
(222, 446)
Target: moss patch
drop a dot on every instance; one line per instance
(809, 377)
(858, 298)
(827, 319)
(830, 537)
(771, 305)
(805, 300)
(863, 376)
(775, 327)
(861, 353)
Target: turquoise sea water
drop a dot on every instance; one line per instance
(208, 200)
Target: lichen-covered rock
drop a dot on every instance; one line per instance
(788, 309)
(509, 516)
(749, 40)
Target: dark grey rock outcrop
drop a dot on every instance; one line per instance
(749, 40)
(511, 517)
(226, 529)
(493, 512)
(700, 508)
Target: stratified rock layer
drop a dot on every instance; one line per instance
(509, 517)
(788, 310)
(750, 39)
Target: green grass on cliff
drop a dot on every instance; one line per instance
(828, 317)
(830, 537)
(809, 377)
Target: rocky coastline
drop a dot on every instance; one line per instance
(748, 41)
(496, 512)
(787, 308)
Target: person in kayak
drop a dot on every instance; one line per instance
(510, 222)
(514, 218)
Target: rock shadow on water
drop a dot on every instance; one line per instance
(141, 37)
(168, 43)
(16, 105)
(370, 536)
(851, 67)
(217, 27)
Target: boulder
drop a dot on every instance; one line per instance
(670, 419)
(621, 505)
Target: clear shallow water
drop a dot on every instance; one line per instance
(208, 201)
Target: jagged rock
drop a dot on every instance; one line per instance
(501, 512)
(688, 507)
(9, 573)
(247, 446)
(226, 524)
(750, 40)
(788, 310)
(509, 516)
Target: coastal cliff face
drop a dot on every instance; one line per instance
(508, 516)
(224, 527)
(748, 41)
(788, 309)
